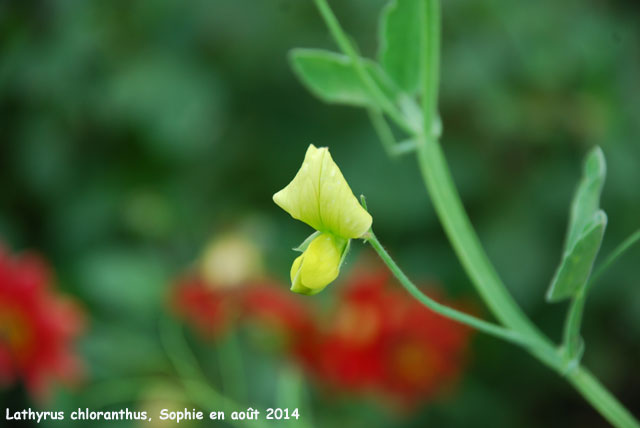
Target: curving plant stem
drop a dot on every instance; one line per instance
(518, 328)
(498, 331)
(463, 238)
(477, 265)
(444, 195)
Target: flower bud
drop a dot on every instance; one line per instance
(318, 265)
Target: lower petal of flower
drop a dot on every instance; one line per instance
(319, 265)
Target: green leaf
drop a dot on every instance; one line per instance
(587, 198)
(400, 43)
(333, 79)
(575, 268)
(585, 232)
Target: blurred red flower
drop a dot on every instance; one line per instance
(227, 286)
(37, 327)
(275, 308)
(211, 310)
(215, 309)
(382, 341)
(376, 340)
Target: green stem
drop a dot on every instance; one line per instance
(461, 233)
(571, 336)
(576, 310)
(584, 382)
(391, 146)
(465, 242)
(446, 311)
(615, 255)
(467, 246)
(404, 147)
(445, 197)
(381, 127)
(430, 64)
(601, 399)
(345, 45)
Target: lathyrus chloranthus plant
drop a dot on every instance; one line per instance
(320, 196)
(402, 87)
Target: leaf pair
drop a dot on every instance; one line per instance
(332, 77)
(587, 224)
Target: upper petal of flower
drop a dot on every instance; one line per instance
(320, 196)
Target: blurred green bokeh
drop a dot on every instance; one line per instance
(133, 132)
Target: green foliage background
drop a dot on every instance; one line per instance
(133, 132)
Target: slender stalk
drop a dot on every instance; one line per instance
(615, 255)
(445, 311)
(601, 399)
(404, 147)
(465, 242)
(571, 336)
(345, 45)
(381, 127)
(430, 64)
(445, 197)
(391, 146)
(576, 310)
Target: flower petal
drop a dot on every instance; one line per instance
(320, 196)
(319, 265)
(296, 278)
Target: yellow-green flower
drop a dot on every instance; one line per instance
(320, 196)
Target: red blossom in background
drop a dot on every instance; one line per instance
(382, 341)
(37, 327)
(211, 310)
(214, 309)
(377, 340)
(274, 307)
(228, 287)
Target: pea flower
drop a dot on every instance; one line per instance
(320, 196)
